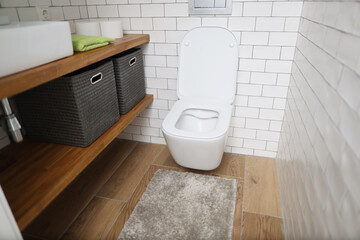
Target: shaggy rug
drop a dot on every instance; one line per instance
(178, 205)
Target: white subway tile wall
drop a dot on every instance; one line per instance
(318, 158)
(267, 46)
(266, 32)
(60, 10)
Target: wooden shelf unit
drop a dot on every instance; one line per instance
(25, 80)
(33, 174)
(38, 172)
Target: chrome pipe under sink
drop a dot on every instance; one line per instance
(12, 125)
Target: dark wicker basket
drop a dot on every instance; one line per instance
(129, 75)
(74, 110)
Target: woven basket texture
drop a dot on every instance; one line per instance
(130, 81)
(70, 110)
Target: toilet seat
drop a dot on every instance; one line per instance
(222, 107)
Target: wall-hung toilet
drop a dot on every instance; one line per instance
(195, 129)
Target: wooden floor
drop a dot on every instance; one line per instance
(98, 203)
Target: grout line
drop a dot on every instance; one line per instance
(111, 199)
(137, 185)
(211, 173)
(95, 195)
(336, 125)
(226, 176)
(325, 50)
(280, 195)
(302, 121)
(157, 155)
(243, 200)
(112, 225)
(159, 165)
(329, 26)
(145, 172)
(97, 12)
(262, 214)
(237, 184)
(113, 172)
(87, 13)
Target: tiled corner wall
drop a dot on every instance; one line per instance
(60, 10)
(319, 153)
(266, 33)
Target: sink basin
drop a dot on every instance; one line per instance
(29, 44)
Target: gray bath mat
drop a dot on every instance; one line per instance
(178, 205)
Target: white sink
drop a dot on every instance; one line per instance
(29, 44)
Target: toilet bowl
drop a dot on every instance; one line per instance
(196, 127)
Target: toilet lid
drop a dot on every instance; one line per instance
(208, 64)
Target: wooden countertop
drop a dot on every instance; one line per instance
(25, 80)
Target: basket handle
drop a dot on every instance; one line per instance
(132, 61)
(96, 78)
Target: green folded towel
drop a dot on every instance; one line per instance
(83, 43)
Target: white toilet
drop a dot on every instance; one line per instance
(196, 128)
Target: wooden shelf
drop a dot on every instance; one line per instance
(22, 81)
(33, 174)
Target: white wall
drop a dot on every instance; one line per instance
(24, 10)
(319, 153)
(266, 33)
